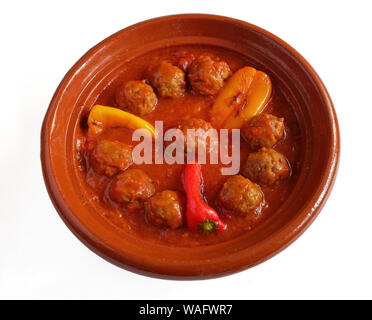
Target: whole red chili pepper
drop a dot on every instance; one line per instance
(200, 217)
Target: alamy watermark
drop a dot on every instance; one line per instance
(186, 146)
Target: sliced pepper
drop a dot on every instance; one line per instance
(244, 95)
(102, 117)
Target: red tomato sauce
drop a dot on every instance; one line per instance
(165, 176)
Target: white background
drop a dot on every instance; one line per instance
(40, 257)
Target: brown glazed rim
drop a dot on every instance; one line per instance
(177, 266)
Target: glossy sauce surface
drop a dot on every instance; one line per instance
(169, 176)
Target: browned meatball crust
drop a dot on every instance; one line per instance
(130, 186)
(207, 76)
(185, 59)
(167, 79)
(191, 144)
(165, 209)
(110, 157)
(266, 167)
(136, 96)
(194, 123)
(263, 130)
(240, 195)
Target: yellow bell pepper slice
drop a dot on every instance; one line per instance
(244, 95)
(102, 117)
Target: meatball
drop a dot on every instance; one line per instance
(194, 123)
(266, 166)
(240, 195)
(168, 80)
(110, 157)
(131, 186)
(136, 96)
(185, 59)
(191, 143)
(165, 209)
(263, 130)
(206, 76)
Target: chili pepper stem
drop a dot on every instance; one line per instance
(207, 226)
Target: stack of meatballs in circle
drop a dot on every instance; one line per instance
(240, 194)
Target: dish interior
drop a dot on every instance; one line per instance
(282, 104)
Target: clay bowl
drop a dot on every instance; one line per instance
(94, 71)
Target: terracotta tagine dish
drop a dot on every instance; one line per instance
(127, 175)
